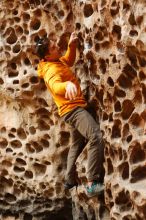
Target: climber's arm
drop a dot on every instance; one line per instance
(70, 55)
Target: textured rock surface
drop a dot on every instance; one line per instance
(111, 67)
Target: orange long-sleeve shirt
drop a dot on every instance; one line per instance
(56, 76)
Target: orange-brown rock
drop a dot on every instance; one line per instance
(111, 68)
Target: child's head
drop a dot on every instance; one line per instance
(47, 49)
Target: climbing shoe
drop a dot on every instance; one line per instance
(94, 189)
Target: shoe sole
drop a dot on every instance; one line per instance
(97, 193)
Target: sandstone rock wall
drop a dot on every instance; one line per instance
(111, 68)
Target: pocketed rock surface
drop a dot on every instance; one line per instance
(111, 68)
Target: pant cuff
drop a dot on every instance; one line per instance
(93, 178)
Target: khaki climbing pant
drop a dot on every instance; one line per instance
(84, 127)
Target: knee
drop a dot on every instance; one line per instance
(96, 134)
(97, 141)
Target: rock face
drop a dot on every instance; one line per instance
(111, 68)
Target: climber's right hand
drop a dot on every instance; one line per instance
(73, 39)
(71, 91)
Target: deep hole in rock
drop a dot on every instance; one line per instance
(127, 109)
(27, 61)
(27, 216)
(110, 168)
(59, 168)
(119, 92)
(16, 48)
(3, 142)
(78, 26)
(19, 169)
(114, 9)
(36, 146)
(139, 20)
(21, 161)
(142, 75)
(122, 198)
(9, 150)
(16, 144)
(29, 148)
(126, 6)
(26, 17)
(39, 169)
(34, 79)
(15, 12)
(114, 60)
(102, 65)
(116, 129)
(117, 106)
(97, 47)
(21, 133)
(32, 130)
(60, 14)
(25, 85)
(133, 33)
(1, 81)
(24, 202)
(138, 97)
(122, 154)
(19, 30)
(43, 126)
(138, 174)
(10, 198)
(124, 170)
(142, 61)
(58, 26)
(44, 143)
(42, 111)
(129, 71)
(12, 74)
(88, 10)
(138, 217)
(10, 134)
(136, 120)
(99, 36)
(120, 47)
(63, 213)
(13, 66)
(136, 153)
(131, 53)
(38, 12)
(111, 117)
(105, 45)
(117, 31)
(99, 95)
(42, 102)
(132, 19)
(28, 174)
(13, 130)
(6, 181)
(124, 81)
(35, 24)
(129, 138)
(12, 37)
(64, 137)
(17, 19)
(143, 115)
(16, 81)
(110, 81)
(4, 172)
(105, 116)
(6, 163)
